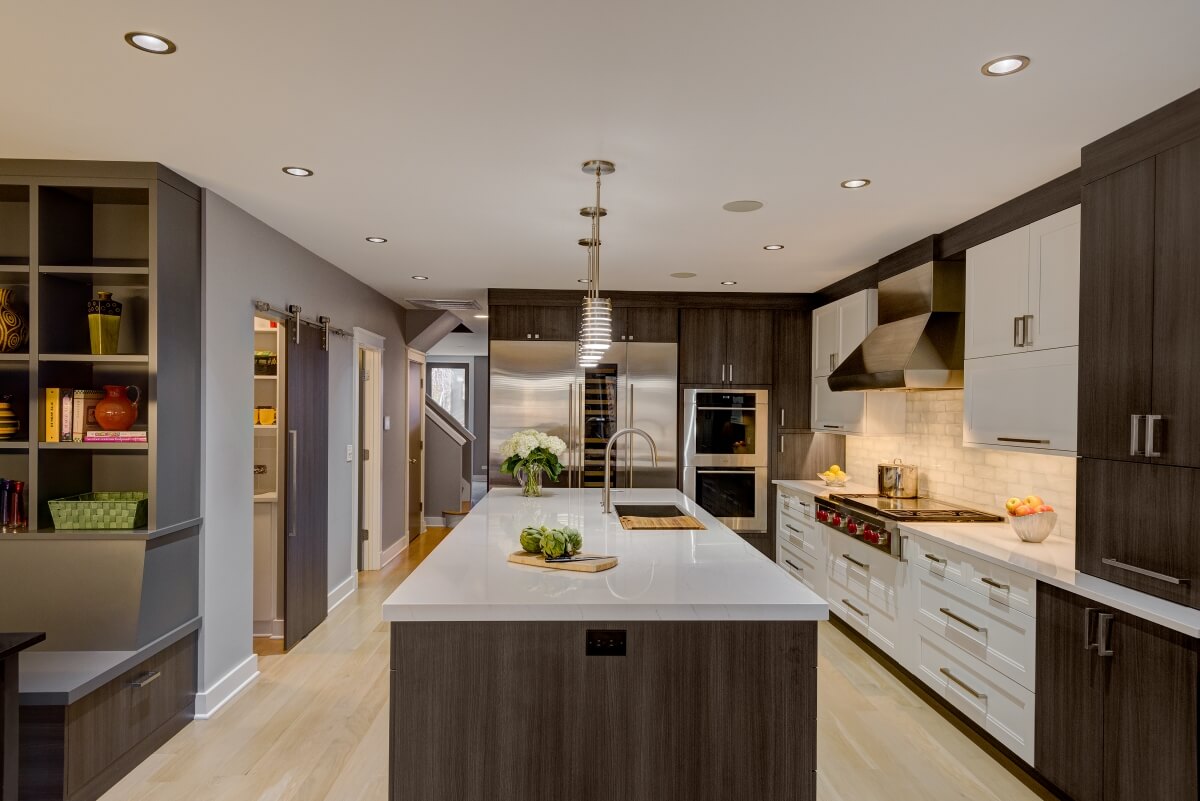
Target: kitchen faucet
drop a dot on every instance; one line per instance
(607, 501)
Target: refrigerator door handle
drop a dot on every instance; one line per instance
(571, 435)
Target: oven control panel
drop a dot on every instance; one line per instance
(870, 531)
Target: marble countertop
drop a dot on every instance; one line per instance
(1053, 562)
(663, 575)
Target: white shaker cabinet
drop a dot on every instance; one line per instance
(1023, 289)
(1023, 401)
(840, 327)
(868, 414)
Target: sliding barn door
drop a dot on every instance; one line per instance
(306, 552)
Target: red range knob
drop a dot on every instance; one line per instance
(852, 527)
(822, 515)
(837, 519)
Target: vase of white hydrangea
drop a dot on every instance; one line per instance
(529, 455)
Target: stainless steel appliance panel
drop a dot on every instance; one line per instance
(651, 396)
(737, 496)
(533, 385)
(726, 428)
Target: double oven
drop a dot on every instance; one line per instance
(725, 455)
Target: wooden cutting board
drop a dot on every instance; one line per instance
(538, 560)
(686, 522)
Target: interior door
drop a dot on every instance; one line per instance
(1150, 715)
(1068, 737)
(416, 447)
(1176, 323)
(1116, 302)
(306, 549)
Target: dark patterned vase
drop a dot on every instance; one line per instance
(14, 330)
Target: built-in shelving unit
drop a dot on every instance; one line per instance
(269, 486)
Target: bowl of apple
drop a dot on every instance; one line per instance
(1031, 518)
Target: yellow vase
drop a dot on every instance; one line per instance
(9, 424)
(104, 323)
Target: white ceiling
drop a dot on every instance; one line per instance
(456, 129)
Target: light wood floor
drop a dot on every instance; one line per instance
(314, 726)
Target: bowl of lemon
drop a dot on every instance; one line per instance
(834, 477)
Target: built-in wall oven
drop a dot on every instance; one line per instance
(725, 455)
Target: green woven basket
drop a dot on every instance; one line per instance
(100, 510)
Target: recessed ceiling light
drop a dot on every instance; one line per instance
(856, 183)
(683, 275)
(376, 240)
(728, 283)
(299, 172)
(772, 247)
(743, 205)
(420, 277)
(480, 316)
(150, 43)
(1005, 65)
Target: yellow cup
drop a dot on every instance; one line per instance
(264, 416)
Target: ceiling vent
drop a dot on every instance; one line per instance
(442, 304)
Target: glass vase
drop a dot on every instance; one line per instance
(530, 478)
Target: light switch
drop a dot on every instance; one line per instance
(349, 453)
(387, 422)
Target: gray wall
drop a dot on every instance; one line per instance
(245, 260)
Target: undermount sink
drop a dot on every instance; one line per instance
(653, 517)
(648, 510)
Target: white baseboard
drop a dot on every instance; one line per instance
(394, 550)
(342, 591)
(269, 628)
(226, 687)
(439, 522)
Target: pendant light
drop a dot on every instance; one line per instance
(595, 321)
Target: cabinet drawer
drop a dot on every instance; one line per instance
(996, 583)
(805, 537)
(806, 571)
(1003, 708)
(990, 632)
(114, 718)
(860, 575)
(798, 506)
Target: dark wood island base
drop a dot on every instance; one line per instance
(549, 711)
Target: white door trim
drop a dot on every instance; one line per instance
(373, 345)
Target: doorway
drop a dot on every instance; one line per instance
(415, 422)
(369, 423)
(270, 490)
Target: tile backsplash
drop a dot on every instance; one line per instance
(975, 477)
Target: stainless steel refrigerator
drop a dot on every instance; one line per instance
(540, 385)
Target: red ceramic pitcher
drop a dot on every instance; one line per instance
(116, 412)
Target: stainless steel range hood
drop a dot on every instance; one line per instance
(919, 341)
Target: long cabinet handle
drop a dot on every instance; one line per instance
(782, 416)
(1104, 622)
(782, 437)
(1135, 430)
(963, 620)
(731, 372)
(146, 678)
(293, 446)
(1023, 440)
(1151, 419)
(1089, 615)
(933, 558)
(1027, 330)
(794, 566)
(1017, 332)
(991, 582)
(722, 372)
(1141, 571)
(826, 425)
(790, 527)
(946, 672)
(848, 605)
(854, 561)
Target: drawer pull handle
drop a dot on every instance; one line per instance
(946, 672)
(1023, 440)
(790, 564)
(827, 425)
(848, 605)
(991, 582)
(1104, 622)
(937, 559)
(854, 561)
(1088, 614)
(964, 621)
(147, 678)
(790, 527)
(1141, 571)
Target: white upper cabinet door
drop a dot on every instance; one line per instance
(856, 318)
(1053, 320)
(825, 338)
(837, 412)
(997, 294)
(1024, 401)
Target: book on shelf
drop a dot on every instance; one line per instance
(84, 412)
(53, 407)
(115, 436)
(65, 417)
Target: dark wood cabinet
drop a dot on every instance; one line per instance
(726, 346)
(1116, 306)
(1117, 706)
(553, 323)
(645, 324)
(791, 383)
(1136, 527)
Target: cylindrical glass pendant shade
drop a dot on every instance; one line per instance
(595, 327)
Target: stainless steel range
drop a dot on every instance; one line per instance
(875, 519)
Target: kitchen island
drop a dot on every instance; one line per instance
(688, 671)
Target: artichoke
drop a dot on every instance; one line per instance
(554, 544)
(531, 539)
(574, 540)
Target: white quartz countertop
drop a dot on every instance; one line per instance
(662, 575)
(1053, 562)
(820, 489)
